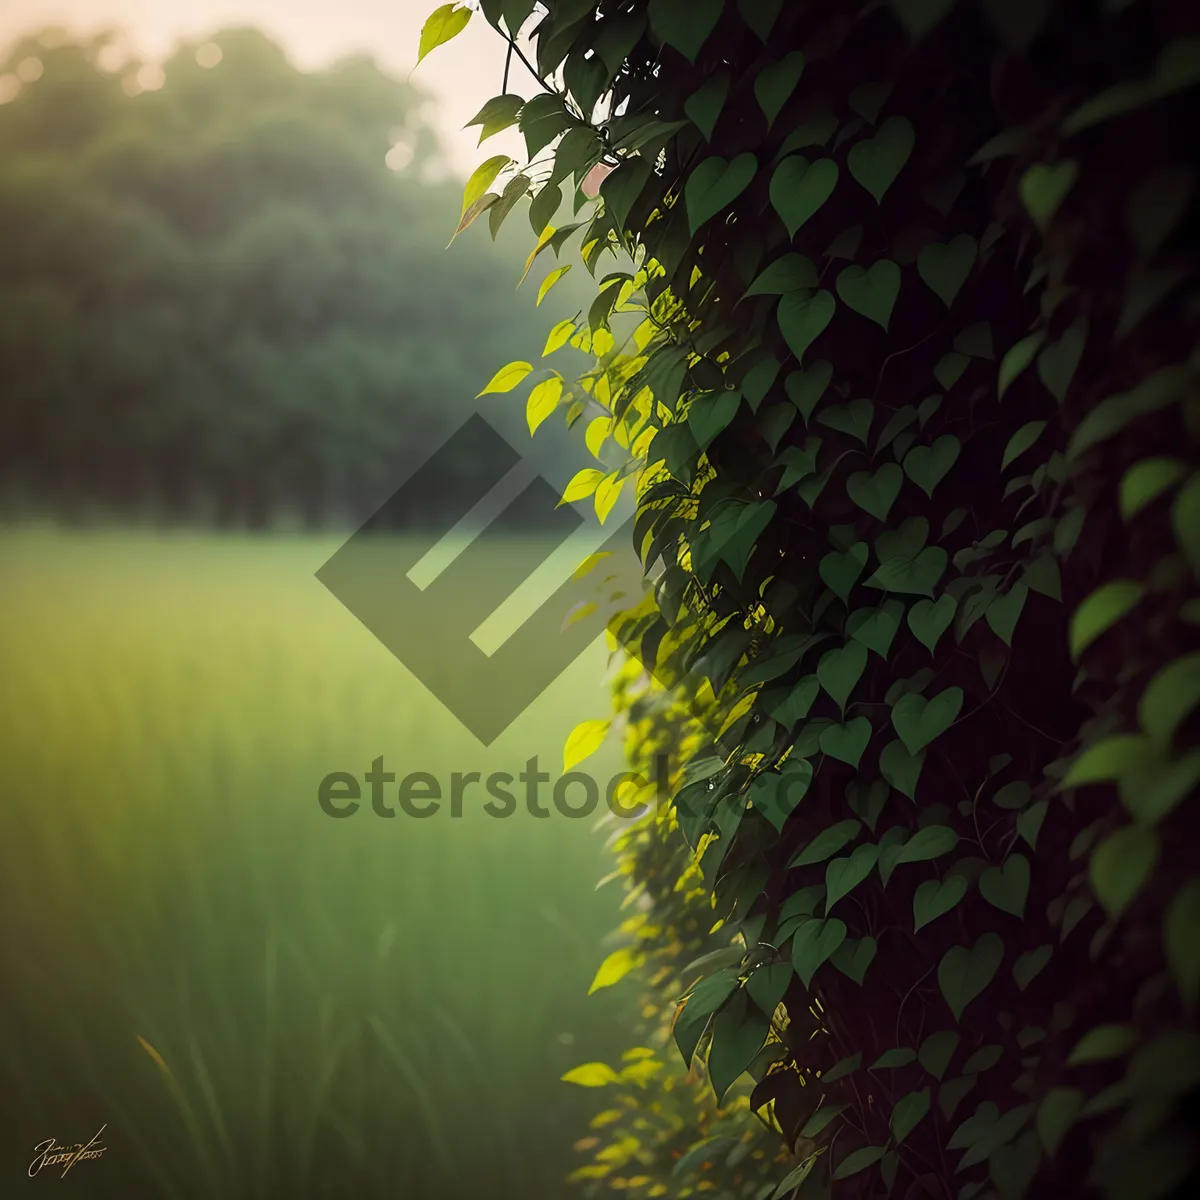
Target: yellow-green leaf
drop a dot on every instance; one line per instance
(543, 400)
(482, 178)
(550, 281)
(476, 210)
(584, 741)
(594, 1074)
(615, 967)
(442, 24)
(581, 486)
(507, 378)
(607, 493)
(1101, 610)
(543, 242)
(559, 336)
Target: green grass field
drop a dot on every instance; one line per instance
(255, 999)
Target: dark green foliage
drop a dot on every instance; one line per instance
(958, 583)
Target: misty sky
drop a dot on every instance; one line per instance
(461, 76)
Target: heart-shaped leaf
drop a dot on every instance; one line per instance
(906, 542)
(876, 493)
(876, 627)
(707, 415)
(866, 801)
(901, 769)
(715, 184)
(946, 265)
(847, 742)
(1007, 886)
(843, 875)
(798, 189)
(927, 466)
(684, 24)
(828, 842)
(965, 971)
(840, 572)
(935, 897)
(767, 985)
(909, 1112)
(1043, 189)
(937, 1050)
(790, 273)
(930, 842)
(911, 576)
(871, 292)
(703, 108)
(813, 943)
(875, 162)
(853, 418)
(854, 956)
(805, 388)
(775, 83)
(839, 670)
(1003, 611)
(918, 721)
(929, 619)
(736, 1039)
(802, 318)
(776, 794)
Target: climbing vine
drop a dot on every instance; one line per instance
(894, 344)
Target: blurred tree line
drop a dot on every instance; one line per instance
(224, 290)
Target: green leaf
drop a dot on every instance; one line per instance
(840, 572)
(803, 317)
(910, 1110)
(927, 466)
(621, 188)
(798, 189)
(1101, 611)
(871, 292)
(936, 1052)
(736, 1039)
(767, 984)
(828, 842)
(876, 627)
(708, 1151)
(1007, 887)
(1021, 441)
(1103, 1043)
(929, 619)
(813, 943)
(499, 113)
(708, 414)
(945, 266)
(1110, 758)
(875, 162)
(776, 794)
(1114, 413)
(542, 119)
(595, 1074)
(950, 368)
(901, 769)
(760, 15)
(1017, 359)
(1185, 521)
(794, 1178)
(1170, 697)
(1145, 481)
(507, 378)
(684, 24)
(858, 1160)
(848, 741)
(853, 418)
(1181, 940)
(1120, 865)
(935, 897)
(775, 84)
(1056, 1114)
(964, 971)
(482, 178)
(911, 575)
(853, 957)
(1029, 823)
(715, 184)
(839, 670)
(920, 16)
(791, 273)
(891, 1060)
(1004, 610)
(1057, 363)
(930, 842)
(704, 107)
(805, 388)
(919, 721)
(443, 24)
(868, 98)
(843, 875)
(875, 494)
(1044, 187)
